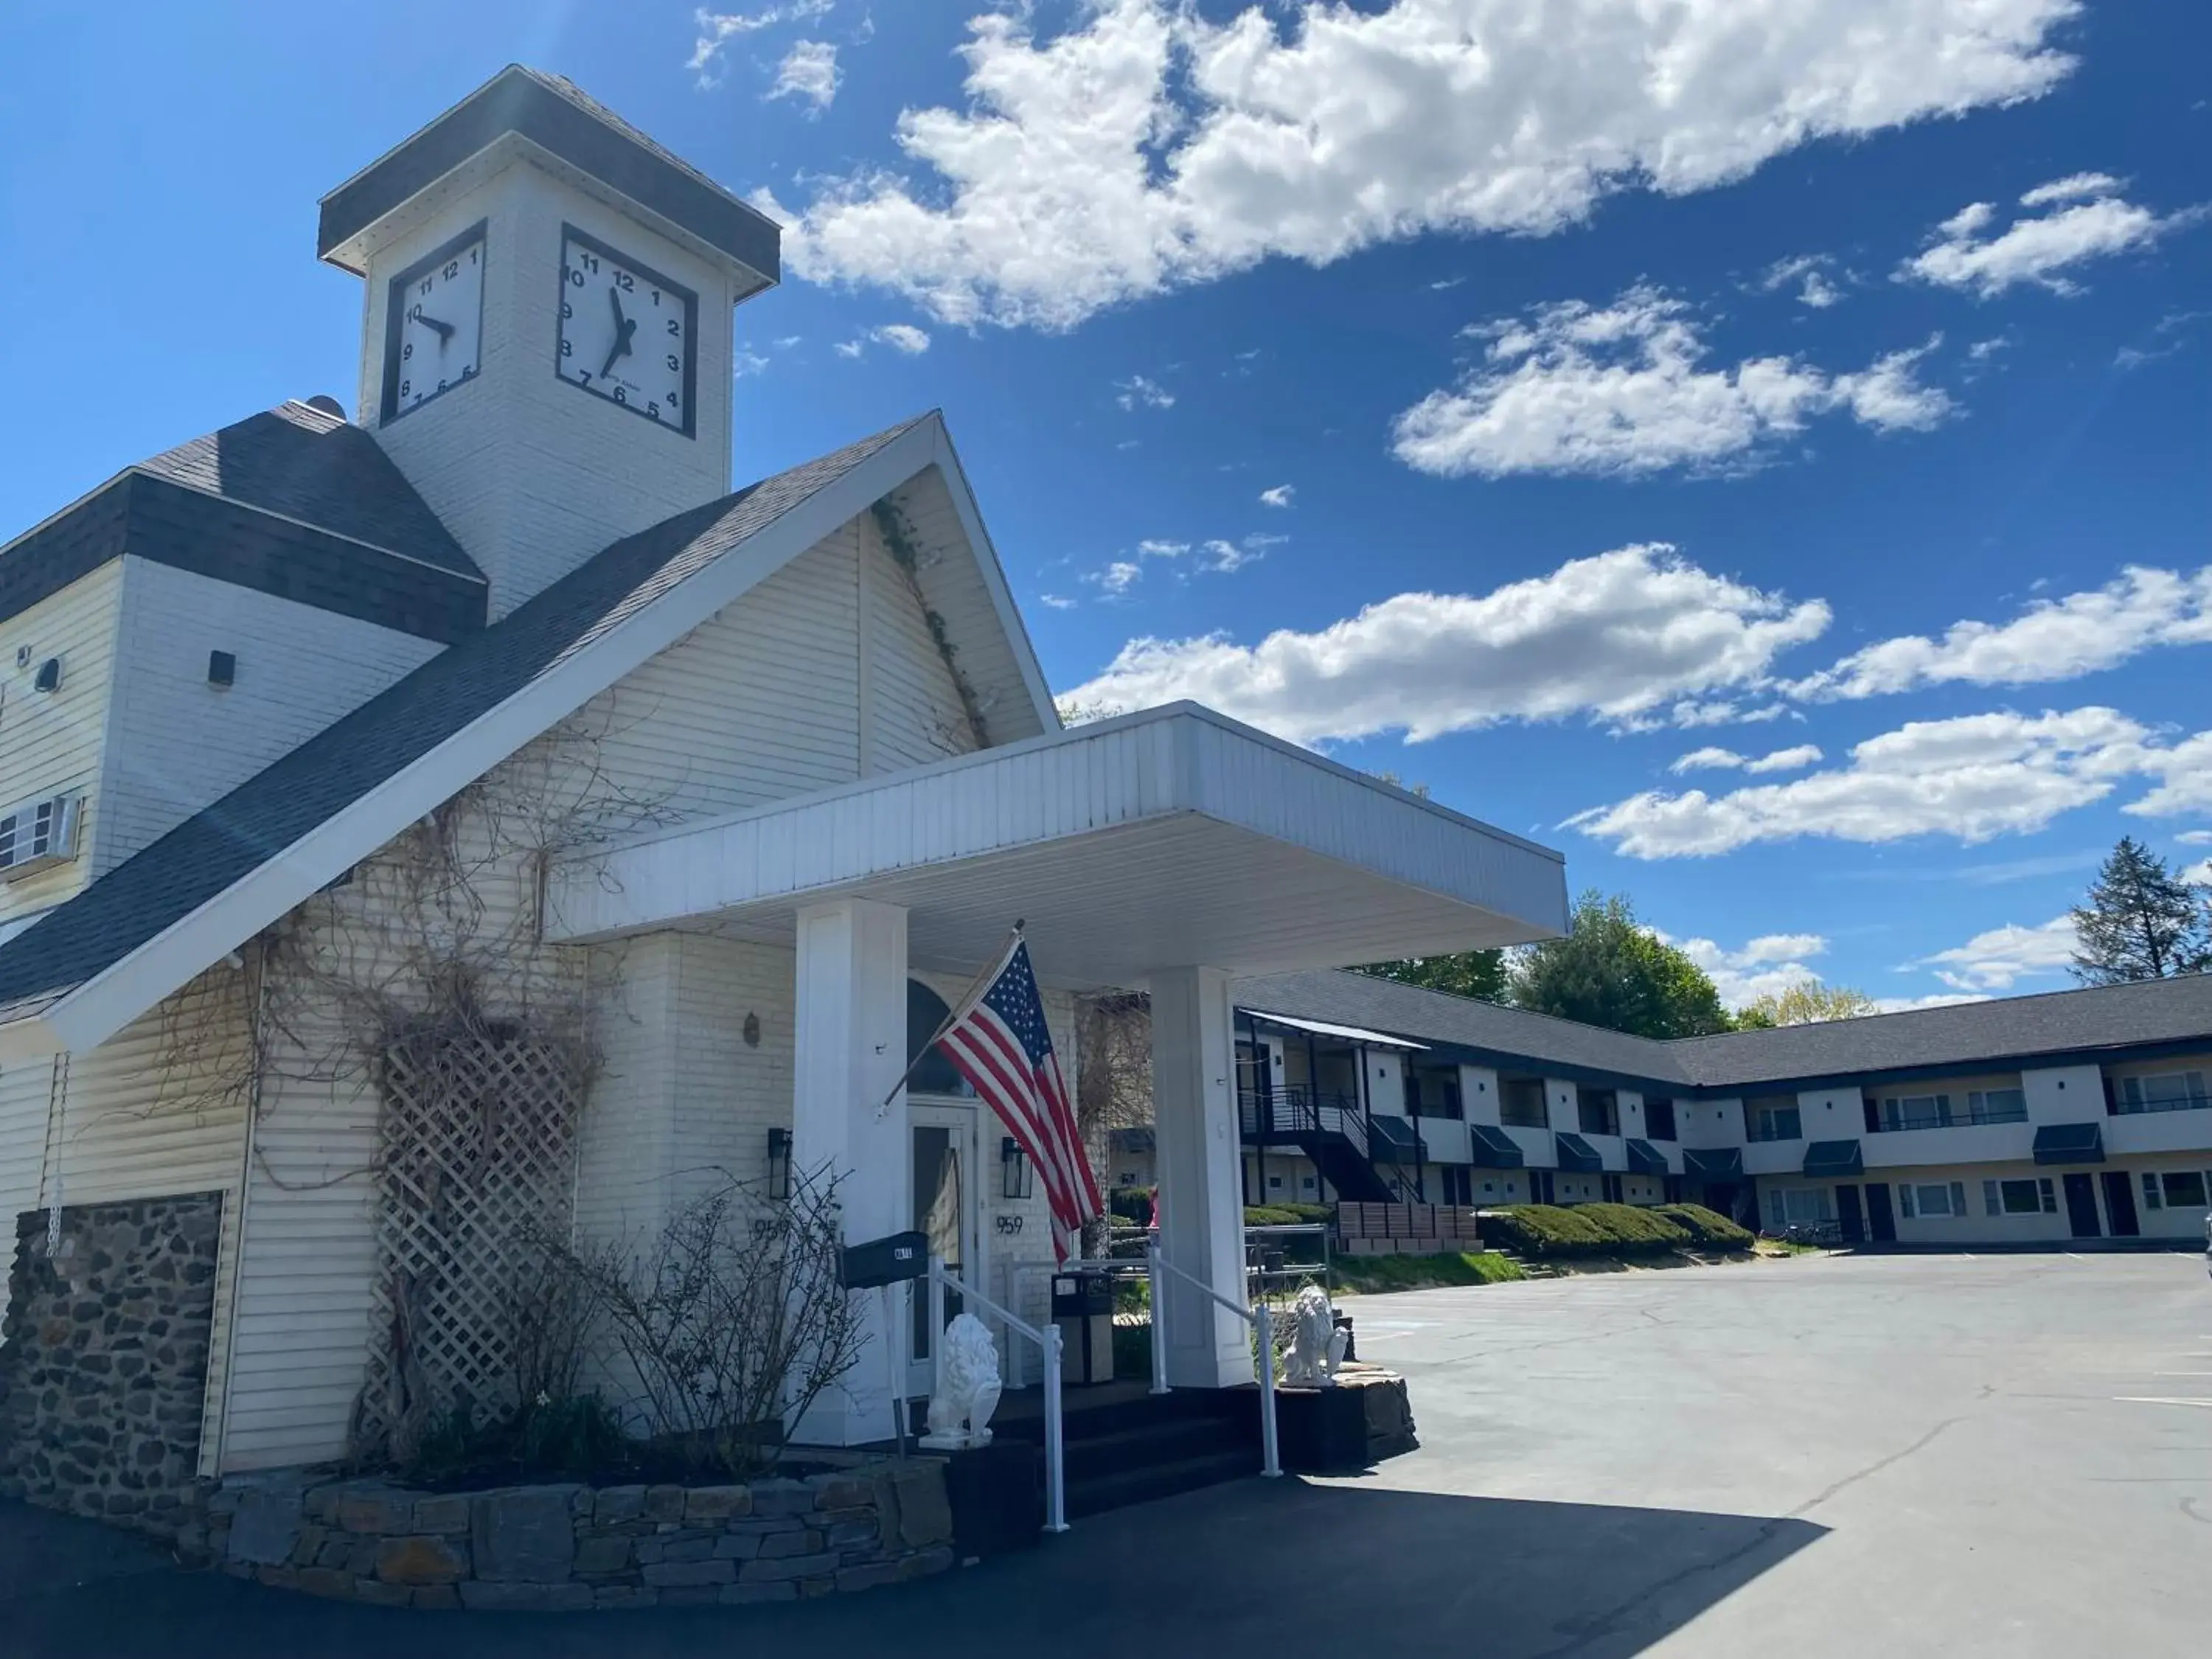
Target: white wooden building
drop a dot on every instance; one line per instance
(728, 774)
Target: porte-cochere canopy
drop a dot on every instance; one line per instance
(1171, 838)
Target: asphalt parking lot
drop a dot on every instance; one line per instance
(1905, 1455)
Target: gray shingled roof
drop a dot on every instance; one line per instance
(322, 469)
(226, 842)
(2146, 1014)
(1433, 1017)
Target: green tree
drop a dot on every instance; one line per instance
(2141, 921)
(1467, 974)
(1610, 970)
(1808, 1002)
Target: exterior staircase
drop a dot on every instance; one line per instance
(1332, 1132)
(1124, 1445)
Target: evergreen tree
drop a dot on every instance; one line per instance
(2141, 921)
(1467, 974)
(1609, 970)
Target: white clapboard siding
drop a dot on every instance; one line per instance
(50, 742)
(954, 584)
(729, 1094)
(914, 711)
(176, 743)
(758, 702)
(622, 1146)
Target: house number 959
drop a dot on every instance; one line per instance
(1010, 1223)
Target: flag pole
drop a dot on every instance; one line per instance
(958, 1012)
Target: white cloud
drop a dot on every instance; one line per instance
(744, 362)
(1619, 391)
(1780, 760)
(1933, 999)
(2088, 220)
(1145, 147)
(1766, 966)
(1115, 579)
(903, 336)
(1137, 391)
(2195, 838)
(850, 348)
(1226, 558)
(2051, 640)
(2199, 873)
(1973, 777)
(1619, 636)
(1992, 961)
(1151, 549)
(808, 72)
(2185, 775)
(1809, 272)
(1278, 496)
(718, 29)
(1056, 601)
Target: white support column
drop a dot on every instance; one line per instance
(1201, 1205)
(851, 1048)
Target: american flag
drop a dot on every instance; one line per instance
(999, 1042)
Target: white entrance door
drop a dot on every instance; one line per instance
(947, 1206)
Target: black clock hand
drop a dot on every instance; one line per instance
(624, 327)
(445, 329)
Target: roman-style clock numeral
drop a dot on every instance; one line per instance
(626, 333)
(433, 324)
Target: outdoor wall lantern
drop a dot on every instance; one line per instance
(779, 1164)
(1015, 1176)
(751, 1030)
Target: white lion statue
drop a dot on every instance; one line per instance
(1316, 1345)
(967, 1388)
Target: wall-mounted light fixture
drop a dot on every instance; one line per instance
(751, 1030)
(779, 1164)
(1016, 1178)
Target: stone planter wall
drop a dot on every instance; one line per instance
(103, 1358)
(572, 1548)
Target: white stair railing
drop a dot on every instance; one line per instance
(1263, 1329)
(1047, 1340)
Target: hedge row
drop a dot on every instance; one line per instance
(1610, 1229)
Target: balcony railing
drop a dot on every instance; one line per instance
(2124, 1108)
(1965, 1118)
(1291, 1112)
(1787, 1126)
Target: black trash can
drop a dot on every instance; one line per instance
(1083, 1308)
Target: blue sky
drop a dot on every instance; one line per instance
(1761, 450)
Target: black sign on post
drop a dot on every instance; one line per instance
(885, 1261)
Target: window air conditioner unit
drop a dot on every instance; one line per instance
(35, 836)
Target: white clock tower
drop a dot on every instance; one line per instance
(546, 333)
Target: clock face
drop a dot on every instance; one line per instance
(433, 324)
(627, 333)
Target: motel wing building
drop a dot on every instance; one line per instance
(476, 815)
(2078, 1115)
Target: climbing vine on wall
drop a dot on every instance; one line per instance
(899, 539)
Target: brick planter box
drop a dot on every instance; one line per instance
(574, 1549)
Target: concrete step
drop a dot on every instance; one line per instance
(1142, 1485)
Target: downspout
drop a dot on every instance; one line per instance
(1413, 1100)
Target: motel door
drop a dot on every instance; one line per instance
(1849, 1216)
(946, 1201)
(2081, 1207)
(2120, 1204)
(1882, 1220)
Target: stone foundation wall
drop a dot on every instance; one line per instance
(571, 1548)
(103, 1358)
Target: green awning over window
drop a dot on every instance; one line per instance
(1396, 1141)
(1493, 1149)
(1577, 1154)
(1833, 1160)
(1644, 1158)
(1714, 1168)
(2070, 1143)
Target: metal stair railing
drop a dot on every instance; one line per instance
(1056, 1461)
(1261, 1321)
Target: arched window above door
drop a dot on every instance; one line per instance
(934, 1075)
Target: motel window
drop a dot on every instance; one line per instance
(1274, 1183)
(1306, 1184)
(2029, 1197)
(1598, 1111)
(1799, 1206)
(1459, 1184)
(2184, 1188)
(1659, 1120)
(1933, 1200)
(1916, 1111)
(1997, 1106)
(2150, 1191)
(1776, 1119)
(2164, 1092)
(1521, 1102)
